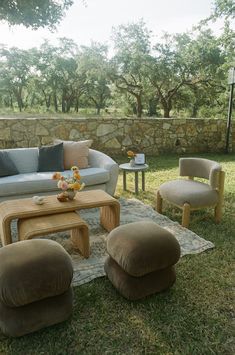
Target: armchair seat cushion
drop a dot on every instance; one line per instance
(196, 193)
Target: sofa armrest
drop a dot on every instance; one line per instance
(98, 159)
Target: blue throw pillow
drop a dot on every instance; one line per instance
(7, 167)
(51, 158)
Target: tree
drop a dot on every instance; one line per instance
(224, 8)
(15, 72)
(55, 75)
(182, 61)
(168, 71)
(34, 13)
(132, 45)
(93, 68)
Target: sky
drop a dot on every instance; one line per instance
(94, 22)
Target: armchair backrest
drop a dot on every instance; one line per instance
(201, 168)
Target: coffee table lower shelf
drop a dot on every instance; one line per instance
(32, 227)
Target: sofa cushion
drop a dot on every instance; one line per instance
(94, 176)
(25, 159)
(75, 153)
(22, 279)
(51, 158)
(7, 166)
(196, 193)
(142, 247)
(27, 184)
(42, 182)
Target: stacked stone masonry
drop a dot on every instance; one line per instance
(115, 136)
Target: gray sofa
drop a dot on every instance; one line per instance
(101, 174)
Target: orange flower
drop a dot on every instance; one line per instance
(76, 175)
(56, 176)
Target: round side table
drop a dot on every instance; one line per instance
(134, 169)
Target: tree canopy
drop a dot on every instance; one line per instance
(183, 74)
(34, 13)
(224, 8)
(180, 74)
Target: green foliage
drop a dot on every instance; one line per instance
(182, 74)
(128, 70)
(34, 13)
(224, 8)
(92, 66)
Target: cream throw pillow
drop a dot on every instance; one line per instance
(75, 153)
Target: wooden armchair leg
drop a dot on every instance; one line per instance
(218, 213)
(218, 208)
(159, 203)
(186, 215)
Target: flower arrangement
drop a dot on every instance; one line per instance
(69, 185)
(131, 154)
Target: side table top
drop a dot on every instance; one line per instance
(137, 167)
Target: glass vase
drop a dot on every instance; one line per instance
(71, 194)
(132, 162)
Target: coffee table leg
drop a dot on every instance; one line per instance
(80, 240)
(143, 181)
(110, 216)
(136, 183)
(124, 180)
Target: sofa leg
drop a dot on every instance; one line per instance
(159, 203)
(186, 215)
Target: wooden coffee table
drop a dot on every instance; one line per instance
(26, 208)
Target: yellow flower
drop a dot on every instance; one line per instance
(131, 154)
(76, 186)
(74, 168)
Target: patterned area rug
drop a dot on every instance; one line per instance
(132, 210)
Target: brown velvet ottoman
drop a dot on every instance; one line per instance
(141, 259)
(35, 286)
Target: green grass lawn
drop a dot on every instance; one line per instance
(196, 316)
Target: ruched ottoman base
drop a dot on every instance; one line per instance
(134, 288)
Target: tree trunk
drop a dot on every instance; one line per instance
(166, 108)
(166, 112)
(55, 101)
(76, 105)
(63, 105)
(11, 103)
(98, 110)
(19, 99)
(139, 106)
(152, 107)
(195, 111)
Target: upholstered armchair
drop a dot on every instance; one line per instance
(189, 194)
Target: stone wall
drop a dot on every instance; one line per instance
(114, 136)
